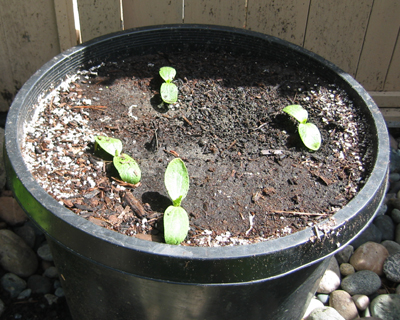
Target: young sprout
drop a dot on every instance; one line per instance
(309, 133)
(126, 166)
(176, 220)
(169, 91)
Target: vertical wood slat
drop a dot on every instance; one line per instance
(29, 38)
(379, 44)
(284, 19)
(228, 13)
(67, 36)
(393, 76)
(336, 30)
(99, 17)
(138, 13)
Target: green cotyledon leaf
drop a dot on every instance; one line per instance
(176, 225)
(112, 146)
(128, 169)
(176, 180)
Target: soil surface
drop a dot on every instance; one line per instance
(251, 177)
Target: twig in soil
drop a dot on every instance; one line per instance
(251, 220)
(174, 153)
(134, 204)
(187, 121)
(231, 145)
(126, 184)
(300, 213)
(88, 107)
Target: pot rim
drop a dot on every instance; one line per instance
(375, 181)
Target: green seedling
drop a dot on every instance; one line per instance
(169, 91)
(176, 220)
(127, 167)
(309, 133)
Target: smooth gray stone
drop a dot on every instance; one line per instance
(386, 225)
(13, 284)
(2, 169)
(27, 233)
(362, 282)
(386, 306)
(391, 246)
(397, 235)
(395, 215)
(343, 256)
(25, 294)
(326, 313)
(371, 233)
(394, 165)
(15, 255)
(2, 307)
(39, 284)
(44, 252)
(391, 267)
(324, 298)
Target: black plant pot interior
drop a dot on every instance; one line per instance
(107, 275)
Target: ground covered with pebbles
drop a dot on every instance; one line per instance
(362, 280)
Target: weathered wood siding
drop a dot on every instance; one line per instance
(361, 37)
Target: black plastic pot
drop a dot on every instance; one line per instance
(107, 275)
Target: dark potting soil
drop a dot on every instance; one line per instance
(251, 177)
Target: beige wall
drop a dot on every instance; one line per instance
(361, 37)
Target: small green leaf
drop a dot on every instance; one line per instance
(167, 73)
(176, 180)
(310, 135)
(176, 225)
(110, 145)
(128, 168)
(297, 112)
(169, 92)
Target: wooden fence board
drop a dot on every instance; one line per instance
(393, 77)
(283, 19)
(99, 17)
(29, 39)
(67, 36)
(336, 30)
(139, 13)
(228, 13)
(380, 41)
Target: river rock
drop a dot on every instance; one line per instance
(397, 236)
(2, 307)
(361, 301)
(314, 304)
(362, 282)
(13, 284)
(386, 306)
(369, 256)
(391, 267)
(346, 269)
(343, 256)
(39, 284)
(342, 302)
(386, 225)
(15, 255)
(371, 233)
(391, 246)
(325, 313)
(27, 233)
(331, 278)
(2, 170)
(11, 212)
(44, 252)
(395, 215)
(323, 297)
